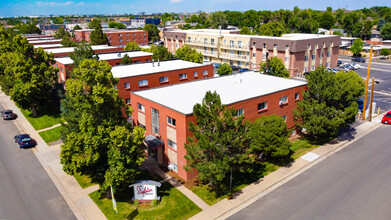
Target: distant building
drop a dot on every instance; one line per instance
(65, 51)
(166, 112)
(299, 52)
(50, 29)
(116, 37)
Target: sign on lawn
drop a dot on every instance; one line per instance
(145, 190)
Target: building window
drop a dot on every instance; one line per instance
(287, 47)
(240, 44)
(205, 72)
(254, 44)
(212, 41)
(306, 58)
(262, 106)
(264, 46)
(171, 144)
(313, 67)
(163, 79)
(231, 43)
(313, 57)
(141, 126)
(239, 112)
(127, 35)
(189, 38)
(61, 69)
(155, 121)
(275, 46)
(328, 64)
(140, 107)
(328, 54)
(175, 167)
(195, 74)
(171, 121)
(120, 35)
(297, 96)
(127, 85)
(286, 59)
(283, 100)
(284, 117)
(143, 82)
(305, 69)
(254, 54)
(127, 101)
(182, 76)
(321, 55)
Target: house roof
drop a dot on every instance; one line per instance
(43, 46)
(71, 49)
(232, 88)
(108, 56)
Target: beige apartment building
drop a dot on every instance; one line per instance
(300, 52)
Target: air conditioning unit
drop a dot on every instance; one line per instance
(170, 167)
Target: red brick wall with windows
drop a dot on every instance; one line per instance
(251, 113)
(122, 38)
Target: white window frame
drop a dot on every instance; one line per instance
(140, 107)
(239, 112)
(284, 117)
(182, 76)
(172, 144)
(297, 96)
(171, 121)
(143, 83)
(127, 101)
(163, 79)
(260, 105)
(205, 72)
(127, 85)
(283, 100)
(195, 74)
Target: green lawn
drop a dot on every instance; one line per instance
(301, 147)
(173, 205)
(83, 180)
(51, 135)
(44, 120)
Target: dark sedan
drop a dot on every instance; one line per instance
(359, 59)
(8, 114)
(25, 141)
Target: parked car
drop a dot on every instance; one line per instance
(216, 65)
(8, 114)
(235, 68)
(333, 70)
(359, 59)
(339, 62)
(356, 66)
(25, 141)
(360, 103)
(243, 70)
(386, 118)
(347, 67)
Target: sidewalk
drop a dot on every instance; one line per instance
(76, 197)
(253, 192)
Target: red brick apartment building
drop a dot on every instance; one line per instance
(165, 112)
(144, 76)
(44, 42)
(65, 63)
(300, 53)
(48, 46)
(65, 51)
(116, 37)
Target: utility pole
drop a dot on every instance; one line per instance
(366, 84)
(370, 103)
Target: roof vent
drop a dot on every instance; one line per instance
(153, 63)
(158, 62)
(119, 54)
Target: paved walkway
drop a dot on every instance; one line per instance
(54, 126)
(253, 192)
(77, 198)
(152, 167)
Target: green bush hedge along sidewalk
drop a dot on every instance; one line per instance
(42, 121)
(173, 205)
(51, 135)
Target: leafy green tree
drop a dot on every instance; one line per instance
(225, 69)
(337, 33)
(153, 32)
(272, 29)
(97, 37)
(67, 42)
(81, 52)
(61, 33)
(385, 51)
(385, 31)
(94, 24)
(96, 132)
(270, 139)
(166, 17)
(189, 54)
(357, 46)
(133, 45)
(117, 25)
(218, 19)
(219, 143)
(327, 20)
(77, 27)
(28, 28)
(126, 60)
(245, 30)
(274, 67)
(329, 103)
(380, 24)
(159, 52)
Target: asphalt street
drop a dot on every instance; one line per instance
(354, 183)
(26, 191)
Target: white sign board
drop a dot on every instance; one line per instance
(145, 190)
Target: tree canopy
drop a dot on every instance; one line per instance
(357, 46)
(189, 54)
(153, 32)
(275, 67)
(117, 25)
(272, 29)
(61, 33)
(81, 52)
(385, 31)
(67, 42)
(224, 69)
(133, 45)
(245, 30)
(159, 52)
(218, 19)
(126, 60)
(97, 37)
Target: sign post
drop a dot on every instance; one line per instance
(145, 190)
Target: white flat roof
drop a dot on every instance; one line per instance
(45, 41)
(48, 45)
(148, 68)
(43, 38)
(108, 56)
(233, 88)
(71, 49)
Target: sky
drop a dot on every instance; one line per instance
(10, 8)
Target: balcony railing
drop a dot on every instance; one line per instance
(201, 43)
(233, 46)
(235, 57)
(207, 52)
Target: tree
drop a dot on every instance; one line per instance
(153, 32)
(329, 103)
(327, 20)
(159, 52)
(272, 29)
(218, 19)
(67, 42)
(270, 139)
(380, 24)
(97, 139)
(94, 24)
(385, 51)
(117, 25)
(219, 143)
(126, 60)
(28, 29)
(189, 54)
(275, 67)
(337, 33)
(225, 69)
(81, 52)
(133, 45)
(385, 31)
(61, 33)
(97, 37)
(77, 27)
(245, 30)
(357, 46)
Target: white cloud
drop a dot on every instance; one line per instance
(175, 1)
(80, 4)
(55, 4)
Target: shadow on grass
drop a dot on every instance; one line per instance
(133, 214)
